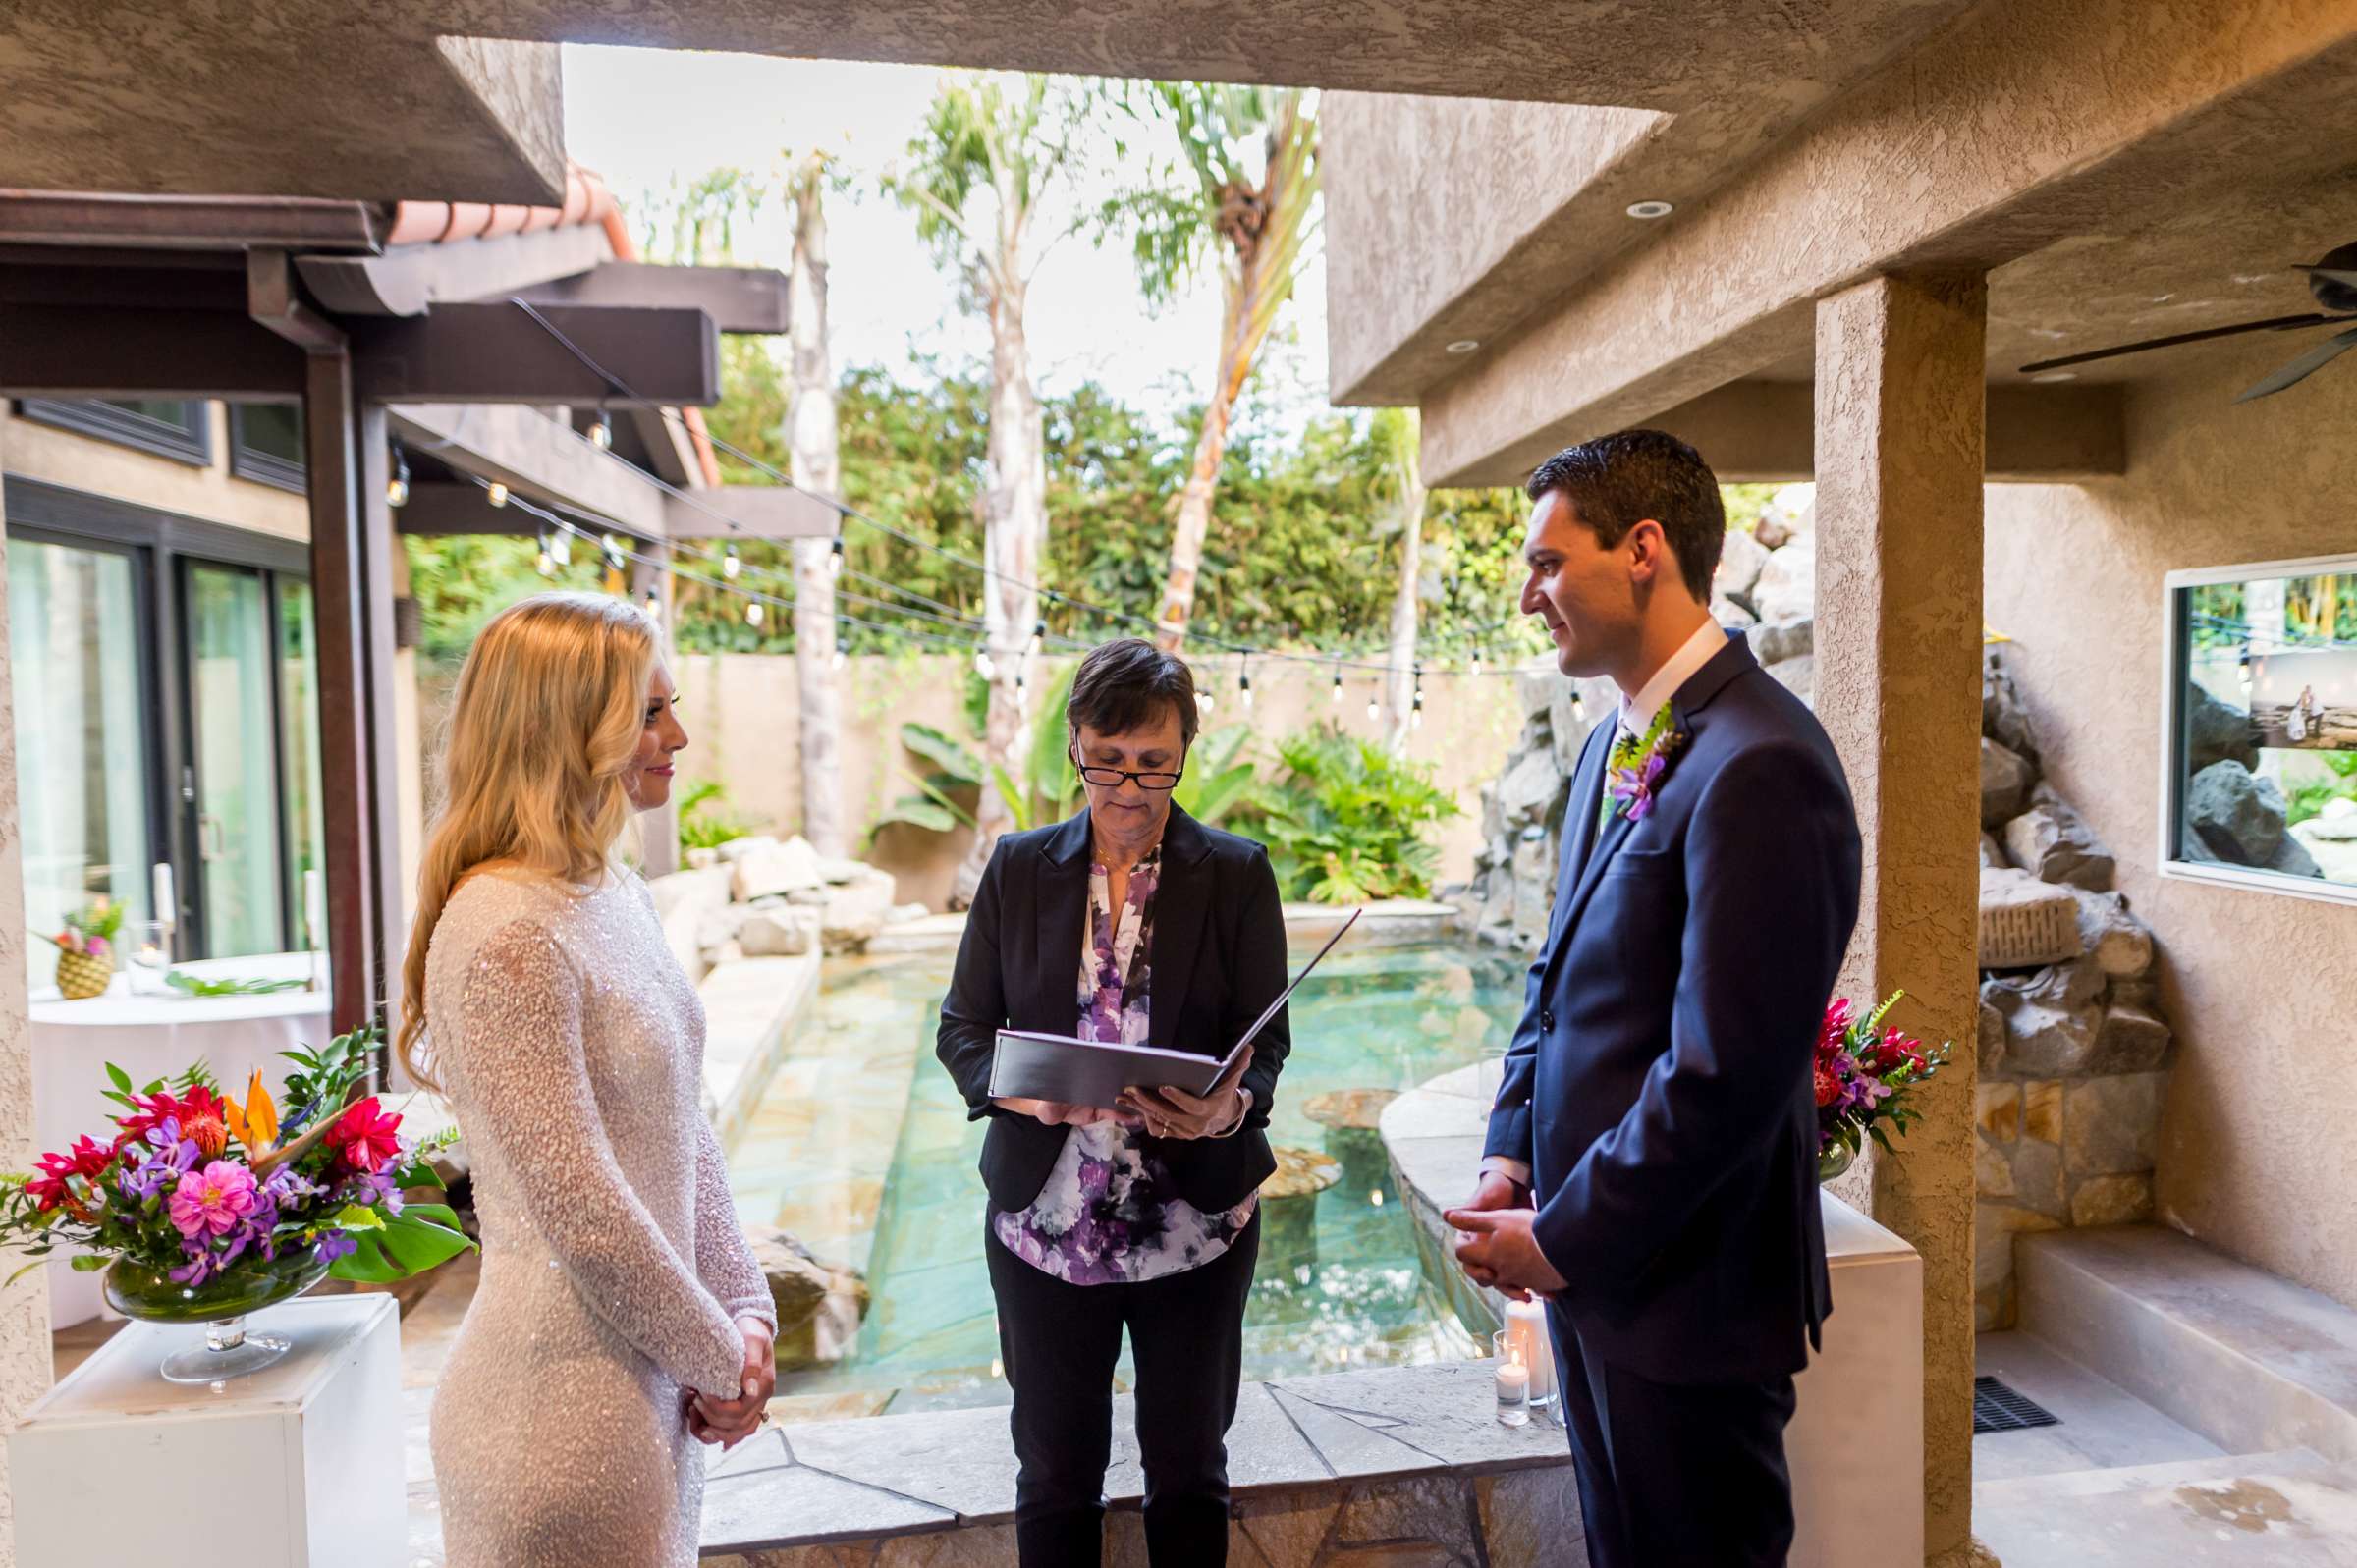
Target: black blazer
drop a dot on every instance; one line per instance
(1660, 1083)
(1218, 959)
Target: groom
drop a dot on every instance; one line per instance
(1651, 1162)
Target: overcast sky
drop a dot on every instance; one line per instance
(646, 118)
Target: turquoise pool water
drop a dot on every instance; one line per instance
(1339, 1286)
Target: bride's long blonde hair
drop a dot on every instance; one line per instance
(547, 716)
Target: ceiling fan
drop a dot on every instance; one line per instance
(2333, 283)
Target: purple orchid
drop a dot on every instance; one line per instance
(173, 1156)
(333, 1244)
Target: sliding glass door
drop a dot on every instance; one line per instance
(233, 740)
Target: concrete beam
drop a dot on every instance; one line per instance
(2025, 154)
(757, 512)
(537, 457)
(1766, 430)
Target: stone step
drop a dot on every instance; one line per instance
(2269, 1510)
(2161, 1476)
(2253, 1362)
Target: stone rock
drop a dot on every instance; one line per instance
(701, 857)
(2066, 984)
(1741, 558)
(2292, 859)
(900, 914)
(1797, 674)
(819, 1304)
(2042, 1111)
(715, 931)
(775, 868)
(2237, 815)
(1356, 1110)
(2336, 818)
(2038, 1179)
(1791, 513)
(2110, 1126)
(1533, 887)
(2334, 856)
(1996, 1226)
(853, 913)
(1992, 1037)
(2217, 732)
(1787, 585)
(1992, 853)
(833, 870)
(1300, 1173)
(2046, 1040)
(701, 889)
(1775, 641)
(776, 933)
(2129, 1040)
(1992, 1172)
(2005, 784)
(2003, 716)
(1727, 613)
(736, 849)
(1528, 791)
(2113, 1200)
(1536, 683)
(2120, 943)
(1996, 1111)
(2145, 993)
(2054, 843)
(2025, 922)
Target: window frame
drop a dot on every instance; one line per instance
(190, 442)
(262, 467)
(2175, 586)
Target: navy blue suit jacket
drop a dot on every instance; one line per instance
(1660, 1083)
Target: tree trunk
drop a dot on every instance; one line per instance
(1014, 526)
(1402, 681)
(811, 439)
(1211, 446)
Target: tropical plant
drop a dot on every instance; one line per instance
(1344, 823)
(1242, 187)
(706, 822)
(1218, 778)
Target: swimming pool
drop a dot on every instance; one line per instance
(861, 1147)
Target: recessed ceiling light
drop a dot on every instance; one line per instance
(1464, 346)
(2056, 375)
(1650, 209)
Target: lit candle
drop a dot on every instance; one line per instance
(1526, 1329)
(1513, 1394)
(166, 910)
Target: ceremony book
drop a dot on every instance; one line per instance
(1073, 1071)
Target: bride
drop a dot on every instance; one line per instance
(619, 1314)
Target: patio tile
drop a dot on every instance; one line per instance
(755, 1508)
(958, 1460)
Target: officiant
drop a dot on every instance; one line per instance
(1130, 923)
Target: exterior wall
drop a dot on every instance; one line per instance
(2255, 1147)
(740, 711)
(103, 467)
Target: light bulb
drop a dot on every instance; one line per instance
(547, 563)
(1477, 667)
(1335, 695)
(496, 493)
(1243, 683)
(563, 549)
(983, 664)
(601, 433)
(730, 566)
(1039, 638)
(396, 490)
(1203, 701)
(835, 559)
(753, 613)
(1416, 716)
(838, 657)
(1374, 710)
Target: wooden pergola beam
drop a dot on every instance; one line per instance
(411, 280)
(498, 353)
(750, 511)
(538, 458)
(188, 223)
(736, 299)
(73, 351)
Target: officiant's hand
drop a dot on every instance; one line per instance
(1057, 1113)
(1501, 1246)
(1170, 1113)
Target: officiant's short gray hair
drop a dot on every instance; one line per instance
(1616, 482)
(1124, 685)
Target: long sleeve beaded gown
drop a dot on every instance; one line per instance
(570, 1046)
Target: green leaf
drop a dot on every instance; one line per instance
(416, 1244)
(368, 1266)
(420, 1175)
(920, 812)
(118, 1077)
(943, 752)
(441, 1213)
(357, 1217)
(87, 1263)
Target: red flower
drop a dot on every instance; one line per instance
(1829, 1086)
(202, 1115)
(85, 1159)
(365, 1135)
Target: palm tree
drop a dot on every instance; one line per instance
(1243, 187)
(1396, 435)
(987, 159)
(812, 441)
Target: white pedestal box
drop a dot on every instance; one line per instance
(295, 1466)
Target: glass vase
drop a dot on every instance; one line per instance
(221, 1304)
(1837, 1159)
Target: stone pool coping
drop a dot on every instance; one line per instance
(1387, 923)
(835, 1483)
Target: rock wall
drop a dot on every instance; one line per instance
(2074, 1051)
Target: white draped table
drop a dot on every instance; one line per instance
(152, 1036)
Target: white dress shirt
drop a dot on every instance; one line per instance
(1636, 713)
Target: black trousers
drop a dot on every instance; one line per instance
(1060, 1342)
(1673, 1476)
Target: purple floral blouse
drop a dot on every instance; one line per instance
(1107, 1215)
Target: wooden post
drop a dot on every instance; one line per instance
(1899, 445)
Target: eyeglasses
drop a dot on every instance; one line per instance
(1112, 777)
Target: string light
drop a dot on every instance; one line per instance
(1374, 707)
(753, 612)
(654, 607)
(616, 556)
(1335, 695)
(397, 488)
(1039, 638)
(1244, 685)
(1476, 664)
(835, 557)
(496, 493)
(984, 665)
(1203, 701)
(1022, 696)
(730, 564)
(840, 657)
(1415, 712)
(601, 433)
(547, 564)
(563, 551)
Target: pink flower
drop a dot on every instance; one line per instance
(213, 1200)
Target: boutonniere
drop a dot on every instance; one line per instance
(1638, 763)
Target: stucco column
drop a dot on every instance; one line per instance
(1899, 413)
(24, 1305)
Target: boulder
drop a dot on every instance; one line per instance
(1992, 1038)
(1742, 559)
(1798, 675)
(1527, 793)
(1732, 614)
(2121, 944)
(700, 857)
(2129, 1040)
(2054, 843)
(1787, 585)
(2003, 718)
(2024, 922)
(2237, 815)
(2112, 1125)
(2335, 819)
(716, 933)
(2335, 855)
(2051, 1042)
(736, 849)
(1775, 641)
(2217, 732)
(2292, 859)
(1536, 683)
(832, 868)
(776, 868)
(2007, 780)
(1992, 853)
(776, 933)
(2066, 986)
(1533, 886)
(701, 890)
(819, 1304)
(852, 914)
(1791, 513)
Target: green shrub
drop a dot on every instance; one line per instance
(1345, 822)
(706, 822)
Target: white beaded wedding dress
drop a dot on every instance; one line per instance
(570, 1046)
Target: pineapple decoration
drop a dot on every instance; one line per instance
(85, 949)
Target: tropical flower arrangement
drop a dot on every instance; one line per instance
(1864, 1073)
(196, 1197)
(85, 949)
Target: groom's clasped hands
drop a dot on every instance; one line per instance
(1493, 1240)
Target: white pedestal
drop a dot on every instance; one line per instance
(295, 1466)
(1855, 1445)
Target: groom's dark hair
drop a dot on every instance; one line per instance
(1616, 482)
